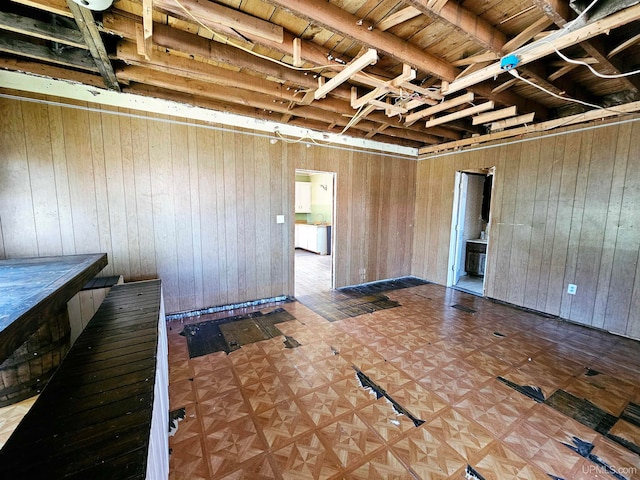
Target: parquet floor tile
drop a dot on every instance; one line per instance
(267, 411)
(232, 445)
(324, 405)
(282, 423)
(429, 457)
(459, 432)
(351, 439)
(382, 466)
(307, 458)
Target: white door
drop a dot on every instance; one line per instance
(456, 251)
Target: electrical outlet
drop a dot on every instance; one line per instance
(279, 218)
(572, 289)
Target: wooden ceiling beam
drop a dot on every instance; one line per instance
(89, 30)
(209, 12)
(59, 7)
(493, 116)
(340, 21)
(584, 117)
(75, 58)
(171, 39)
(397, 18)
(467, 112)
(46, 31)
(560, 14)
(624, 45)
(463, 20)
(542, 49)
(188, 68)
(52, 71)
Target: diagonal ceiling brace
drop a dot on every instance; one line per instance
(86, 24)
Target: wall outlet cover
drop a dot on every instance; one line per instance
(572, 289)
(279, 218)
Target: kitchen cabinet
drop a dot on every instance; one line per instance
(315, 238)
(476, 257)
(303, 197)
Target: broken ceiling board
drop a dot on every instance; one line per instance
(492, 116)
(512, 122)
(467, 112)
(359, 64)
(446, 105)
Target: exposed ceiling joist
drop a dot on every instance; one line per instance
(209, 12)
(397, 18)
(441, 107)
(512, 122)
(46, 31)
(464, 20)
(559, 13)
(493, 116)
(68, 58)
(543, 48)
(538, 127)
(338, 20)
(370, 57)
(86, 24)
(467, 112)
(59, 7)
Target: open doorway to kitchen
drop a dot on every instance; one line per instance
(470, 228)
(314, 236)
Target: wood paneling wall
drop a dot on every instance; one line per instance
(194, 206)
(565, 209)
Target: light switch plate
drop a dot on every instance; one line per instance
(279, 218)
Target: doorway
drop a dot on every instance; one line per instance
(470, 230)
(314, 235)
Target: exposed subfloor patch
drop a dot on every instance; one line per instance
(355, 301)
(587, 412)
(231, 333)
(464, 308)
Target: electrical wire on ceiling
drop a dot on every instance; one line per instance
(595, 72)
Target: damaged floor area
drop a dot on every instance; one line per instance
(424, 389)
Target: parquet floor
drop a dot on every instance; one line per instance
(265, 411)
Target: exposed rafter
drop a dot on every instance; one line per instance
(544, 48)
(86, 24)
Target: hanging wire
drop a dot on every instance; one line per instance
(595, 72)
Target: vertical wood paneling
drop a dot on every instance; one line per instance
(130, 195)
(577, 214)
(196, 233)
(36, 123)
(182, 206)
(611, 228)
(208, 187)
(113, 205)
(63, 197)
(164, 216)
(550, 222)
(565, 211)
(598, 192)
(144, 202)
(78, 151)
(18, 223)
(523, 218)
(538, 222)
(625, 262)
